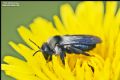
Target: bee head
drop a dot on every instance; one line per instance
(45, 49)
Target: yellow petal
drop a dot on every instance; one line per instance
(61, 71)
(26, 35)
(17, 68)
(26, 52)
(105, 73)
(68, 18)
(43, 29)
(88, 72)
(88, 15)
(80, 73)
(111, 7)
(21, 76)
(60, 27)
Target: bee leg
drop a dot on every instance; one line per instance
(49, 58)
(84, 53)
(62, 55)
(77, 50)
(60, 51)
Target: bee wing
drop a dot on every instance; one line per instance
(80, 39)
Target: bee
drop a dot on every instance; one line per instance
(60, 45)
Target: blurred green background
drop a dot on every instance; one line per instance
(14, 16)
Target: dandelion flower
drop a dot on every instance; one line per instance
(91, 18)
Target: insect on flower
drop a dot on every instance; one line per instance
(59, 45)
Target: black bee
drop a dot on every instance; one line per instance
(59, 45)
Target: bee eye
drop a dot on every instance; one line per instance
(46, 49)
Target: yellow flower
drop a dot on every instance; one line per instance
(88, 18)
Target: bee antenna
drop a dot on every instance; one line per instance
(34, 43)
(36, 52)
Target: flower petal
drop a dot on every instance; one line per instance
(88, 14)
(26, 35)
(80, 73)
(21, 76)
(43, 29)
(68, 18)
(61, 71)
(60, 27)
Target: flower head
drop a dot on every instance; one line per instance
(88, 18)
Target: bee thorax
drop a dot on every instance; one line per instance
(57, 50)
